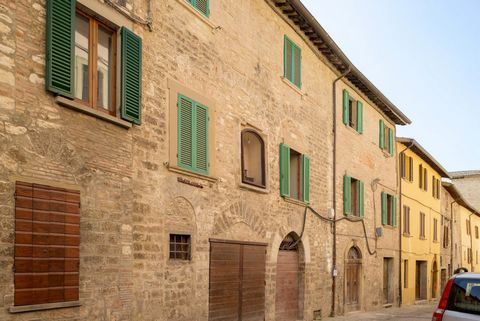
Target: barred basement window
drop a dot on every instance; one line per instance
(180, 246)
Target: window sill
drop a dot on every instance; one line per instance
(295, 88)
(92, 112)
(386, 154)
(406, 235)
(353, 130)
(179, 170)
(390, 227)
(197, 13)
(46, 306)
(294, 201)
(422, 238)
(253, 188)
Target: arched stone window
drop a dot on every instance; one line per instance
(253, 159)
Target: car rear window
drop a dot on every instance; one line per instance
(465, 296)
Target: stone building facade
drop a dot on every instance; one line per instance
(149, 225)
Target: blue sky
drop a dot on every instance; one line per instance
(424, 55)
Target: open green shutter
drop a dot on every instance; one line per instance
(131, 76)
(381, 129)
(360, 117)
(297, 66)
(346, 107)
(394, 211)
(201, 139)
(390, 141)
(384, 209)
(60, 47)
(347, 202)
(361, 198)
(287, 59)
(185, 144)
(284, 170)
(306, 178)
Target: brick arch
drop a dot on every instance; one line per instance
(239, 212)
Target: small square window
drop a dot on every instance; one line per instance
(180, 245)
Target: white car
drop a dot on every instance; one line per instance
(460, 299)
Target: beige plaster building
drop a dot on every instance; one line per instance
(157, 158)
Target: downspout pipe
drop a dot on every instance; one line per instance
(400, 285)
(334, 190)
(471, 240)
(451, 236)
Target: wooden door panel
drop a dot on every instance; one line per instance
(253, 283)
(286, 305)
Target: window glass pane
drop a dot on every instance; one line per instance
(81, 58)
(465, 296)
(253, 164)
(104, 65)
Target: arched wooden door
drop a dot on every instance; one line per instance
(353, 266)
(287, 289)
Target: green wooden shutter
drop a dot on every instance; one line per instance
(390, 141)
(284, 170)
(347, 202)
(384, 209)
(361, 198)
(287, 59)
(201, 163)
(131, 76)
(297, 66)
(60, 47)
(306, 178)
(346, 107)
(381, 129)
(185, 143)
(360, 117)
(394, 211)
(202, 5)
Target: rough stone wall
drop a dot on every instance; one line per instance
(43, 142)
(469, 187)
(131, 201)
(360, 156)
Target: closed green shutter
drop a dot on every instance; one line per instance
(201, 139)
(390, 141)
(284, 170)
(60, 47)
(306, 178)
(192, 135)
(384, 209)
(381, 129)
(360, 117)
(361, 198)
(292, 62)
(346, 107)
(201, 5)
(347, 202)
(185, 132)
(394, 211)
(131, 76)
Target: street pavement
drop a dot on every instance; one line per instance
(418, 312)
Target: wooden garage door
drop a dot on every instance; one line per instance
(286, 302)
(237, 281)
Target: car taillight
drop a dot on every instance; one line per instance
(442, 305)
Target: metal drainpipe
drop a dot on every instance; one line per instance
(451, 236)
(471, 241)
(334, 185)
(400, 285)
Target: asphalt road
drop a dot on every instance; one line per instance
(406, 313)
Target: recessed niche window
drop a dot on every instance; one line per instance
(180, 246)
(353, 196)
(389, 209)
(253, 159)
(294, 174)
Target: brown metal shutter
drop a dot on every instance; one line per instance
(47, 240)
(286, 305)
(237, 281)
